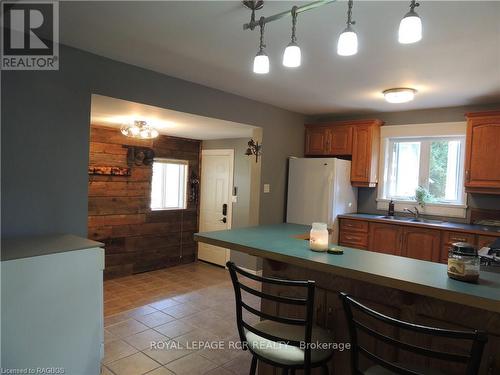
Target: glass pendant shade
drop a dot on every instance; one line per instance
(348, 43)
(410, 28)
(292, 56)
(261, 63)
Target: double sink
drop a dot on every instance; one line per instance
(410, 219)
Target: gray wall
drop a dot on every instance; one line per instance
(242, 180)
(367, 196)
(45, 136)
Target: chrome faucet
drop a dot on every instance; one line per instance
(416, 213)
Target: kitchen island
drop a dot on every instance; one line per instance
(409, 289)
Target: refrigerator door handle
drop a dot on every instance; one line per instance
(330, 200)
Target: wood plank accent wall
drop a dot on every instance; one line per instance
(137, 239)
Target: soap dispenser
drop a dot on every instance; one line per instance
(390, 212)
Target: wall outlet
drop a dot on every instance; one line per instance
(267, 188)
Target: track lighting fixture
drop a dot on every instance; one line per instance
(410, 31)
(410, 28)
(261, 60)
(348, 40)
(292, 55)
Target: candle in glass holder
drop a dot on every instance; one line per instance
(318, 238)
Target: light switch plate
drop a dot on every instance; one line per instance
(267, 188)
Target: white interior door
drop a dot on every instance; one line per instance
(215, 200)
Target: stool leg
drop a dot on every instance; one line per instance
(253, 366)
(324, 369)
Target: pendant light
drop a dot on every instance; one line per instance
(261, 60)
(347, 44)
(410, 28)
(292, 55)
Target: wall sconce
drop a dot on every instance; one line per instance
(254, 149)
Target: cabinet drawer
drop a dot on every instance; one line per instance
(353, 225)
(354, 239)
(452, 237)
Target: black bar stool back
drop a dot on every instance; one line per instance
(355, 312)
(292, 336)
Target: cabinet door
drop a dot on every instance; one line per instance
(385, 238)
(449, 238)
(317, 141)
(340, 140)
(421, 243)
(482, 165)
(365, 153)
(485, 241)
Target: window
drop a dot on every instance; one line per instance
(434, 163)
(168, 185)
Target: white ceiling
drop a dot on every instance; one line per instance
(113, 112)
(456, 63)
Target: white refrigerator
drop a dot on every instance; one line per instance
(319, 189)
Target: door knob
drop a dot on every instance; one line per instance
(224, 220)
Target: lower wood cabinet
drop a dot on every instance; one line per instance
(408, 241)
(483, 241)
(353, 233)
(421, 243)
(385, 238)
(449, 238)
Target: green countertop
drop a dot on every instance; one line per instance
(430, 279)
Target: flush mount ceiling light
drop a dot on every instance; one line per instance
(410, 31)
(348, 40)
(399, 95)
(410, 28)
(292, 55)
(139, 129)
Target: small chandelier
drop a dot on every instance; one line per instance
(254, 149)
(139, 129)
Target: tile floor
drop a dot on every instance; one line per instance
(154, 322)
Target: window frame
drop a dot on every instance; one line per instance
(448, 130)
(183, 185)
(424, 166)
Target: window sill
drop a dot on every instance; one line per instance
(167, 209)
(435, 209)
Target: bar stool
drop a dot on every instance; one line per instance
(281, 341)
(470, 361)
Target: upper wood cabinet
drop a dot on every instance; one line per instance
(365, 153)
(328, 140)
(316, 140)
(359, 139)
(482, 156)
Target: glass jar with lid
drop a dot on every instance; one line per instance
(318, 238)
(463, 262)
